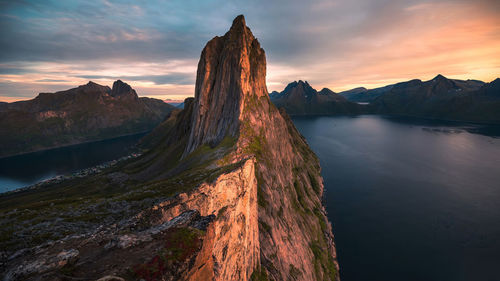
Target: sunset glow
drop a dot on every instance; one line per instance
(338, 45)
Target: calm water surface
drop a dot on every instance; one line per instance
(27, 169)
(410, 199)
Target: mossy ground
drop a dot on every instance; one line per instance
(80, 204)
(259, 275)
(180, 244)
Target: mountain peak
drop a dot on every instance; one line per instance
(439, 77)
(326, 91)
(231, 67)
(239, 22)
(123, 90)
(298, 88)
(91, 84)
(90, 87)
(304, 83)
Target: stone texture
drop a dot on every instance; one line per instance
(230, 67)
(228, 190)
(232, 100)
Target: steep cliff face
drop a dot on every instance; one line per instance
(228, 190)
(230, 68)
(231, 101)
(231, 250)
(233, 117)
(86, 113)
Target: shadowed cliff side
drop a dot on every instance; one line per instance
(299, 98)
(227, 190)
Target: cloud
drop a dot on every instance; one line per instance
(331, 43)
(172, 78)
(13, 70)
(52, 80)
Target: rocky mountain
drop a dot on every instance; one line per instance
(299, 98)
(87, 113)
(227, 189)
(442, 98)
(362, 94)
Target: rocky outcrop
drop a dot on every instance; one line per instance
(234, 244)
(227, 190)
(299, 98)
(123, 91)
(87, 113)
(230, 67)
(231, 101)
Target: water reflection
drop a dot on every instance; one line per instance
(23, 170)
(410, 199)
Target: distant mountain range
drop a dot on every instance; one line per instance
(175, 103)
(299, 98)
(364, 95)
(442, 98)
(438, 98)
(86, 113)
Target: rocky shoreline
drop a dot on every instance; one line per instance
(77, 174)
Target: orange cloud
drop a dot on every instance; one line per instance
(459, 39)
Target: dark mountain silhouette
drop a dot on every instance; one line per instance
(442, 98)
(364, 95)
(299, 98)
(438, 98)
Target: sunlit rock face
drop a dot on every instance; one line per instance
(227, 189)
(230, 249)
(295, 238)
(230, 67)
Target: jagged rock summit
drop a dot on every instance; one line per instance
(299, 98)
(231, 67)
(123, 90)
(227, 189)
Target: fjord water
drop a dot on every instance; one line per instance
(410, 199)
(23, 170)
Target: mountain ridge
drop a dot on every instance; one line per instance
(236, 204)
(437, 98)
(362, 94)
(299, 98)
(442, 98)
(85, 113)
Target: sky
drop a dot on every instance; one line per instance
(47, 46)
